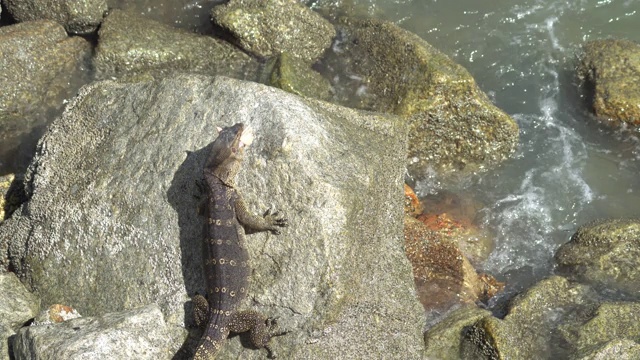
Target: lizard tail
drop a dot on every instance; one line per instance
(211, 342)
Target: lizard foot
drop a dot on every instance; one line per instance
(271, 354)
(275, 221)
(274, 329)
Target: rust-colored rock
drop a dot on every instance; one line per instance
(453, 216)
(442, 273)
(56, 313)
(412, 205)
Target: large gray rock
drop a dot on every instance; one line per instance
(611, 71)
(5, 349)
(135, 334)
(606, 252)
(38, 64)
(112, 220)
(267, 28)
(453, 124)
(78, 17)
(17, 306)
(131, 45)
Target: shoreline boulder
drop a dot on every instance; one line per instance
(453, 126)
(267, 28)
(610, 68)
(77, 17)
(112, 223)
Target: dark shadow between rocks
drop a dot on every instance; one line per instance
(185, 197)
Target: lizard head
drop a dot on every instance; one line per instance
(229, 146)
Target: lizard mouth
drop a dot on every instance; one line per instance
(246, 138)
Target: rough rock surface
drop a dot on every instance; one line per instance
(134, 334)
(606, 252)
(78, 17)
(112, 221)
(453, 125)
(443, 275)
(609, 322)
(443, 340)
(611, 69)
(293, 75)
(133, 46)
(37, 62)
(6, 350)
(526, 331)
(615, 349)
(17, 306)
(267, 28)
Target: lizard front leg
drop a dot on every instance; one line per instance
(269, 222)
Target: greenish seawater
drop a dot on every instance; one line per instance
(569, 169)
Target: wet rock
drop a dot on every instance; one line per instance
(606, 252)
(453, 125)
(335, 9)
(442, 341)
(78, 17)
(135, 334)
(17, 306)
(267, 28)
(112, 218)
(443, 275)
(135, 47)
(615, 349)
(476, 244)
(527, 330)
(297, 77)
(609, 322)
(611, 70)
(453, 217)
(37, 63)
(412, 204)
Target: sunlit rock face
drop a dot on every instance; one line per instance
(611, 71)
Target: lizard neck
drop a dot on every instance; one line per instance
(226, 172)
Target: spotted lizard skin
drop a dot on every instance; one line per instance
(226, 260)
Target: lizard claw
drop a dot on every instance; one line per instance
(275, 220)
(274, 328)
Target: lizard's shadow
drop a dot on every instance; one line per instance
(185, 197)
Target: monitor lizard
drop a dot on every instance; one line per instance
(226, 258)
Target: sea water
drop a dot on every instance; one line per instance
(569, 169)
